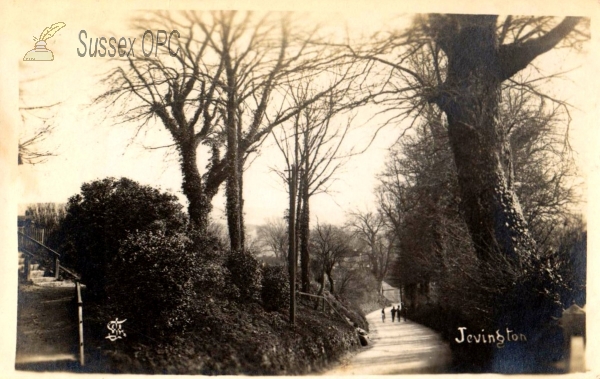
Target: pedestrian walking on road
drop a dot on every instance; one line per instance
(383, 314)
(394, 314)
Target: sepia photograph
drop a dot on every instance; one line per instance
(319, 189)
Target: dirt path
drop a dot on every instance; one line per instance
(397, 348)
(46, 328)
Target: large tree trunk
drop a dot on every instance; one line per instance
(200, 206)
(305, 218)
(232, 193)
(240, 176)
(490, 207)
(477, 66)
(241, 205)
(232, 190)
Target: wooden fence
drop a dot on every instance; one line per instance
(80, 322)
(38, 234)
(324, 303)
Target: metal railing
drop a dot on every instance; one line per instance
(33, 249)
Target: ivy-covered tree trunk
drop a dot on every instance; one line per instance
(232, 193)
(490, 207)
(199, 206)
(241, 202)
(477, 66)
(232, 190)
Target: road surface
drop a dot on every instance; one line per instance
(396, 348)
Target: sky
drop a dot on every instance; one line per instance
(89, 146)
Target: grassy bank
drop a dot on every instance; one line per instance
(232, 339)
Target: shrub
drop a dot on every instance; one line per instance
(275, 288)
(103, 214)
(246, 275)
(208, 245)
(160, 282)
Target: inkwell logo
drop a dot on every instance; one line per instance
(41, 53)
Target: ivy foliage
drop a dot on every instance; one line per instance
(275, 288)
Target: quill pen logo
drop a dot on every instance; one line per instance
(41, 53)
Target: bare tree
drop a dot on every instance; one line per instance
(377, 239)
(221, 91)
(544, 176)
(462, 64)
(330, 244)
(471, 57)
(345, 277)
(419, 190)
(313, 143)
(37, 126)
(273, 235)
(418, 201)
